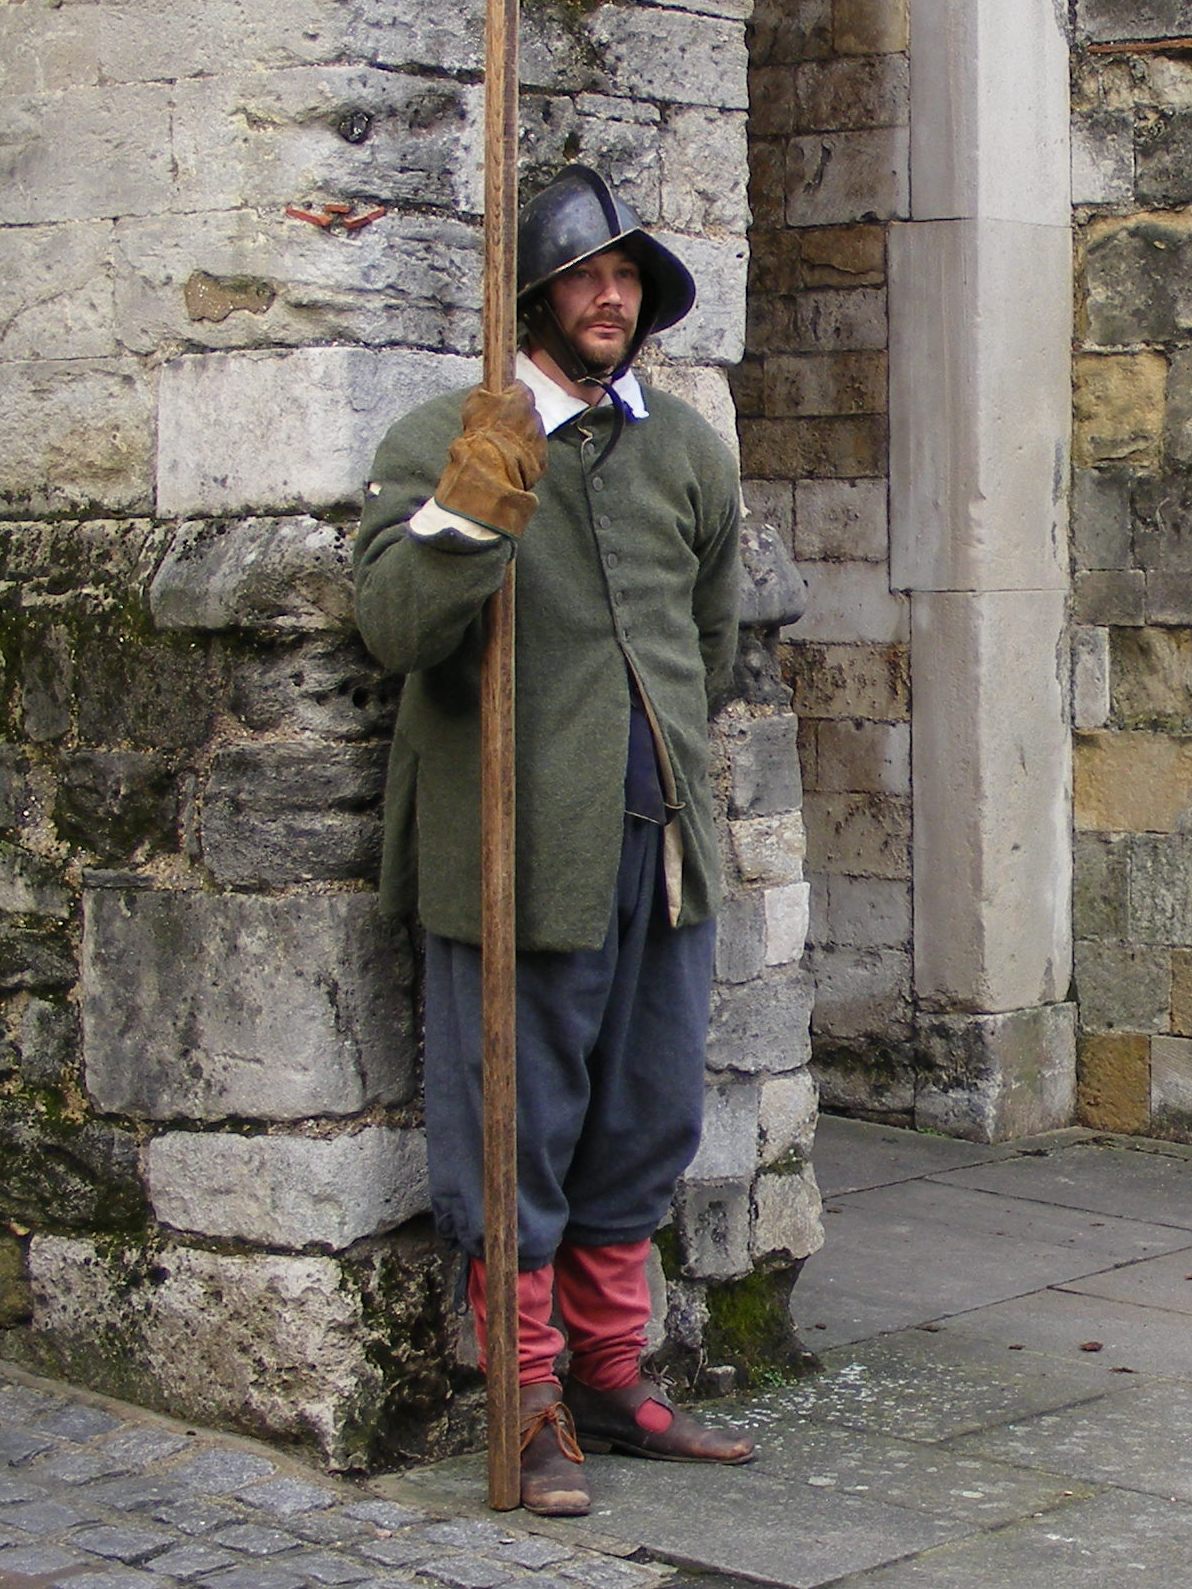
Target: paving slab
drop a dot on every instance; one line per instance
(1104, 1543)
(1164, 1282)
(1151, 1186)
(854, 1155)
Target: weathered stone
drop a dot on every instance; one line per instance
(109, 558)
(830, 320)
(796, 31)
(16, 1299)
(1103, 158)
(56, 295)
(1152, 679)
(1113, 1082)
(1169, 599)
(841, 256)
(1137, 277)
(293, 813)
(786, 1221)
(1101, 518)
(856, 756)
(713, 1221)
(866, 1077)
(1177, 437)
(761, 1026)
(1160, 889)
(35, 957)
(842, 520)
(787, 1116)
(671, 57)
(868, 913)
(847, 95)
(1171, 1080)
(47, 677)
(859, 992)
(1118, 409)
(151, 692)
(836, 446)
(764, 761)
(1163, 522)
(114, 803)
(1140, 19)
(728, 1146)
(329, 688)
(1110, 596)
(704, 171)
(772, 96)
(1163, 156)
(714, 331)
(850, 681)
(773, 591)
(865, 27)
(771, 502)
(788, 913)
(49, 1043)
(825, 383)
(741, 938)
(280, 1008)
(990, 1078)
(30, 886)
(1122, 988)
(1090, 677)
(847, 176)
(15, 792)
(769, 850)
(257, 574)
(1132, 782)
(1181, 992)
(1101, 883)
(67, 1173)
(862, 835)
(279, 1191)
(853, 602)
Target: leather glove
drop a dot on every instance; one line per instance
(495, 462)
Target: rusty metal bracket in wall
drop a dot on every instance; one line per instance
(1141, 46)
(335, 213)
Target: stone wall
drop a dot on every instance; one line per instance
(211, 1161)
(1132, 706)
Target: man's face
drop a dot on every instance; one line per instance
(597, 303)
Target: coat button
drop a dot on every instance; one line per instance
(597, 483)
(611, 560)
(604, 521)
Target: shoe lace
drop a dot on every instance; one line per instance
(564, 1426)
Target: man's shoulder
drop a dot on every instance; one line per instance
(680, 419)
(421, 434)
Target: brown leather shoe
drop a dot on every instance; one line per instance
(641, 1420)
(552, 1479)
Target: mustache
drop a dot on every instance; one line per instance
(607, 319)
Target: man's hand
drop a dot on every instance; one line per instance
(496, 461)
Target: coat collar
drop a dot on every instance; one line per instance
(555, 406)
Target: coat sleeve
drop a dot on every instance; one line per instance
(416, 598)
(717, 594)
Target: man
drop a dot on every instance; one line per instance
(626, 628)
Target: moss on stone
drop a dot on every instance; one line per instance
(670, 1251)
(749, 1327)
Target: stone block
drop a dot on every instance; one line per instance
(293, 813)
(92, 446)
(741, 938)
(866, 1078)
(16, 1299)
(851, 603)
(208, 1007)
(992, 779)
(772, 93)
(256, 574)
(153, 692)
(840, 177)
(1177, 436)
(865, 27)
(1119, 405)
(46, 682)
(329, 688)
(841, 520)
(1136, 273)
(825, 383)
(759, 1027)
(836, 446)
(861, 835)
(1101, 519)
(787, 1116)
(785, 35)
(705, 171)
(850, 681)
(67, 1174)
(788, 917)
(1090, 677)
(1132, 782)
(56, 295)
(49, 1043)
(281, 1191)
(669, 56)
(1103, 158)
(1171, 1080)
(714, 331)
(771, 502)
(769, 850)
(729, 1143)
(232, 440)
(406, 36)
(861, 992)
(1160, 870)
(868, 913)
(1113, 1089)
(848, 94)
(36, 957)
(116, 802)
(1101, 886)
(30, 886)
(764, 762)
(1150, 671)
(1139, 19)
(836, 320)
(1161, 508)
(990, 1078)
(1121, 988)
(713, 1221)
(1169, 599)
(15, 790)
(841, 256)
(1163, 157)
(1181, 992)
(981, 308)
(989, 112)
(864, 757)
(786, 1221)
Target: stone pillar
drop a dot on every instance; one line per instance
(979, 410)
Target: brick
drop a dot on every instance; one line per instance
(861, 992)
(992, 1078)
(1118, 409)
(767, 182)
(850, 681)
(1090, 677)
(861, 835)
(713, 1223)
(764, 763)
(868, 913)
(841, 177)
(1132, 782)
(1122, 988)
(862, 27)
(828, 383)
(787, 1116)
(769, 849)
(850, 94)
(787, 915)
(728, 1145)
(1100, 886)
(1171, 1079)
(841, 520)
(842, 256)
(1113, 1082)
(760, 1027)
(775, 259)
(838, 319)
(1150, 672)
(786, 1222)
(861, 757)
(772, 95)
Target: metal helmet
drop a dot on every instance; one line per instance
(574, 217)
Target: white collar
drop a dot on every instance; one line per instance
(555, 406)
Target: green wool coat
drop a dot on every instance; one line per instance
(636, 562)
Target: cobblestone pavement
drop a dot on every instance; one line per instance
(96, 1495)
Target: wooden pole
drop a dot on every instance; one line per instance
(497, 793)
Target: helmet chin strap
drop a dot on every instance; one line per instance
(543, 325)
